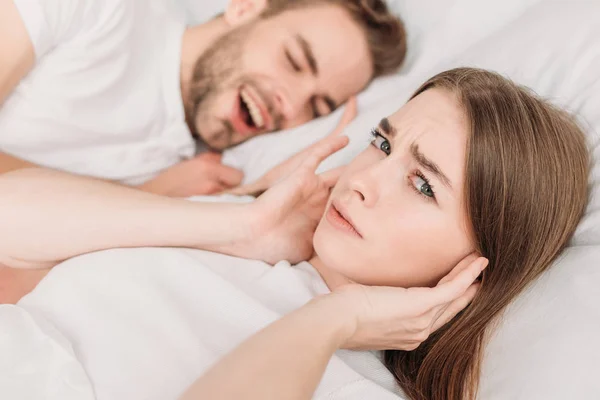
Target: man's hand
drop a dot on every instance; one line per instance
(202, 175)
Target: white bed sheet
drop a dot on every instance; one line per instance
(145, 323)
(37, 360)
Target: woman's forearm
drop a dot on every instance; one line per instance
(284, 361)
(48, 216)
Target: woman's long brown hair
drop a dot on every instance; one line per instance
(526, 189)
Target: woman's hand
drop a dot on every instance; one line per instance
(385, 318)
(281, 222)
(287, 167)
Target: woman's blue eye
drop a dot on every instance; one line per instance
(381, 143)
(423, 187)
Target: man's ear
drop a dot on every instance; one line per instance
(239, 12)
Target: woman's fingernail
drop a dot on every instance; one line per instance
(484, 263)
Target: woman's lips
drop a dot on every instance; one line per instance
(339, 219)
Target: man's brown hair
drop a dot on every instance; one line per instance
(384, 31)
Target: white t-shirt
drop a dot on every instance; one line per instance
(104, 97)
(145, 323)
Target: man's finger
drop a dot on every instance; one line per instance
(325, 148)
(241, 190)
(455, 307)
(251, 189)
(210, 156)
(456, 287)
(228, 176)
(349, 114)
(209, 188)
(331, 177)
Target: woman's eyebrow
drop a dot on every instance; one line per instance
(419, 157)
(429, 165)
(387, 128)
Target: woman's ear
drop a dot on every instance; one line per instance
(239, 12)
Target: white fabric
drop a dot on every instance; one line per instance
(37, 362)
(145, 323)
(104, 97)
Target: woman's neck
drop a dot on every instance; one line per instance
(332, 278)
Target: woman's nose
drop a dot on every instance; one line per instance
(364, 187)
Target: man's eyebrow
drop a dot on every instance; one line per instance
(387, 128)
(429, 165)
(308, 54)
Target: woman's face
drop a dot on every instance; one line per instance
(396, 217)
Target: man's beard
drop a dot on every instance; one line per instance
(212, 73)
(217, 70)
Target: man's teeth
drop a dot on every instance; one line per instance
(255, 114)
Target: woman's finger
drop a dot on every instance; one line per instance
(457, 286)
(350, 112)
(464, 263)
(331, 177)
(455, 307)
(325, 148)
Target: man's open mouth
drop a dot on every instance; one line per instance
(250, 113)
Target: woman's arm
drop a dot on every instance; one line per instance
(48, 216)
(286, 360)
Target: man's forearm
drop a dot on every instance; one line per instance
(48, 216)
(9, 163)
(284, 361)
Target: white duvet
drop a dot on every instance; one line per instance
(143, 324)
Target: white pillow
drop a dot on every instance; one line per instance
(547, 347)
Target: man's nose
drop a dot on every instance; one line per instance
(294, 106)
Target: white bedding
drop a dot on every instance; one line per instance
(145, 323)
(546, 347)
(37, 361)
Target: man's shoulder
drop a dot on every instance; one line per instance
(90, 21)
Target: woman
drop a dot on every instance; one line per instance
(472, 164)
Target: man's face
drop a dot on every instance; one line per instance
(276, 73)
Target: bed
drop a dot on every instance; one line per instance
(546, 346)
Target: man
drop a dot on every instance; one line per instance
(119, 89)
